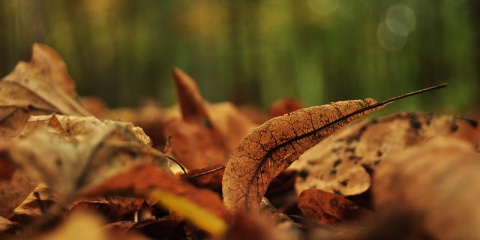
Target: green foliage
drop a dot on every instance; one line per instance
(256, 51)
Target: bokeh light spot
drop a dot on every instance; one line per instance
(400, 19)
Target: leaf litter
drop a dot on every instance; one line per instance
(83, 164)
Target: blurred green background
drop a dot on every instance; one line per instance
(255, 52)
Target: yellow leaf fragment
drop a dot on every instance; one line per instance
(191, 211)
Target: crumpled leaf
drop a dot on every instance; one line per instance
(41, 86)
(339, 164)
(206, 134)
(272, 147)
(328, 208)
(73, 152)
(437, 182)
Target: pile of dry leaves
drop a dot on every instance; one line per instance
(70, 168)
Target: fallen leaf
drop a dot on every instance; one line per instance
(329, 208)
(192, 212)
(437, 182)
(206, 133)
(41, 86)
(72, 152)
(272, 147)
(139, 180)
(339, 164)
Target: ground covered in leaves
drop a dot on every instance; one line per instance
(70, 168)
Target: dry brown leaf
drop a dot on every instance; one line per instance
(41, 86)
(272, 147)
(328, 208)
(73, 152)
(206, 134)
(139, 180)
(339, 163)
(437, 182)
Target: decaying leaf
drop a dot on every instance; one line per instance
(328, 208)
(206, 134)
(438, 182)
(41, 86)
(340, 163)
(273, 146)
(72, 152)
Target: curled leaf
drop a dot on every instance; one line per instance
(273, 146)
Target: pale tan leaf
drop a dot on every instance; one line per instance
(339, 164)
(72, 152)
(41, 86)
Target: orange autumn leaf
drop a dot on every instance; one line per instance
(272, 147)
(206, 133)
(141, 179)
